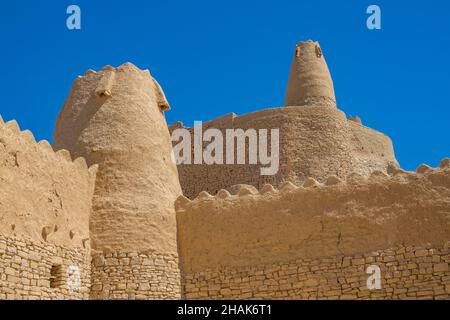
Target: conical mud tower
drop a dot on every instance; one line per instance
(310, 81)
(115, 118)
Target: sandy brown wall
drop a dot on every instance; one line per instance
(113, 118)
(43, 195)
(45, 205)
(309, 79)
(405, 272)
(135, 276)
(370, 146)
(32, 270)
(315, 141)
(341, 218)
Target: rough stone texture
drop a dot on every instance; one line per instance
(315, 141)
(310, 80)
(353, 217)
(26, 270)
(317, 242)
(115, 118)
(407, 273)
(43, 195)
(135, 276)
(371, 150)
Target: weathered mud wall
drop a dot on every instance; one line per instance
(115, 118)
(310, 80)
(45, 206)
(315, 141)
(371, 148)
(43, 195)
(226, 239)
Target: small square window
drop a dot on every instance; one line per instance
(57, 276)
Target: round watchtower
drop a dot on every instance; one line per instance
(115, 118)
(310, 81)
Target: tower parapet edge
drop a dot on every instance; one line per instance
(115, 118)
(310, 81)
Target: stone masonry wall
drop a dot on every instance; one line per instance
(315, 141)
(31, 270)
(349, 217)
(45, 205)
(406, 273)
(316, 241)
(370, 147)
(135, 276)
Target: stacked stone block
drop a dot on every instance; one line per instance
(135, 276)
(26, 270)
(420, 273)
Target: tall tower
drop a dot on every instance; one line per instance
(115, 118)
(310, 81)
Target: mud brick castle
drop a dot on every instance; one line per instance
(105, 213)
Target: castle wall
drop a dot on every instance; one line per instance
(298, 241)
(315, 141)
(406, 273)
(371, 147)
(45, 206)
(135, 276)
(36, 270)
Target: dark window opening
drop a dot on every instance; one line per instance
(56, 276)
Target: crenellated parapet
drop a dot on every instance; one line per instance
(335, 217)
(45, 195)
(320, 240)
(100, 213)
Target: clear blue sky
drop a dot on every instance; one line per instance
(216, 57)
